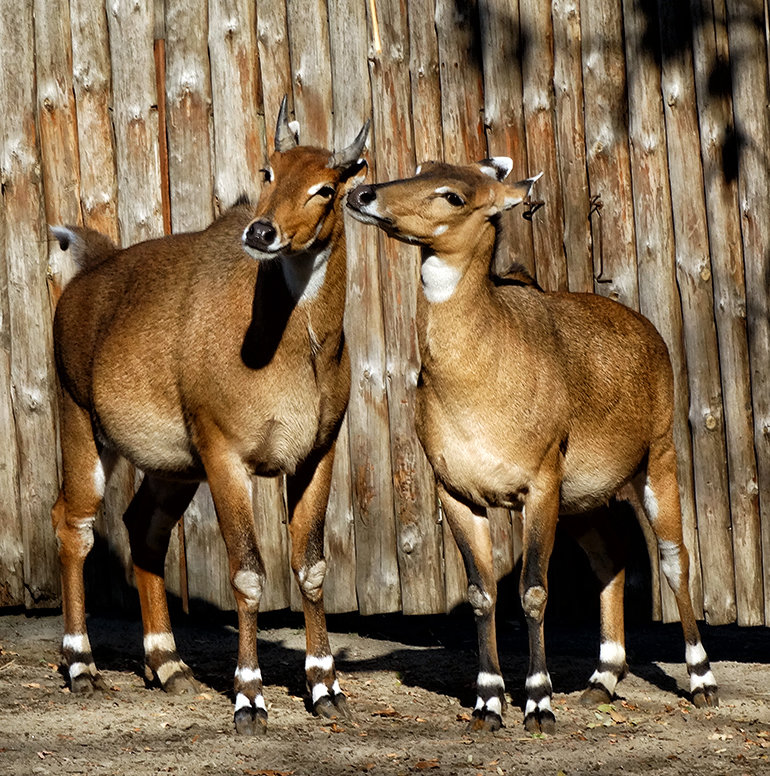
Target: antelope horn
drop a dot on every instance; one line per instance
(352, 153)
(284, 137)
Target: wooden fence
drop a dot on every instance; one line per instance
(649, 119)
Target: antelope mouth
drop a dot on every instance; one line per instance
(366, 214)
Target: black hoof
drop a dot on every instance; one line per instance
(341, 702)
(181, 684)
(595, 696)
(87, 684)
(250, 721)
(705, 697)
(326, 707)
(484, 720)
(540, 722)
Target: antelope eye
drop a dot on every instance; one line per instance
(455, 200)
(267, 174)
(325, 192)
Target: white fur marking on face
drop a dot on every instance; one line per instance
(315, 189)
(246, 675)
(76, 642)
(319, 690)
(443, 190)
(695, 654)
(439, 279)
(440, 230)
(325, 663)
(163, 642)
(612, 653)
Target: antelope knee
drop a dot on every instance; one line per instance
(533, 602)
(311, 579)
(249, 585)
(480, 600)
(75, 538)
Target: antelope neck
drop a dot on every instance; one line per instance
(444, 277)
(305, 274)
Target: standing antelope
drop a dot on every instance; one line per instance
(545, 402)
(197, 359)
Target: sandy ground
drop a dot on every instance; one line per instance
(410, 684)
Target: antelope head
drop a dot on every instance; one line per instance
(444, 208)
(303, 186)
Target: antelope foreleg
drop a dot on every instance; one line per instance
(470, 528)
(308, 492)
(231, 490)
(540, 517)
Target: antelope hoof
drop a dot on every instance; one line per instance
(485, 720)
(250, 721)
(86, 683)
(595, 696)
(541, 721)
(332, 707)
(174, 677)
(706, 696)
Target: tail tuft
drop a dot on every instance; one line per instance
(89, 247)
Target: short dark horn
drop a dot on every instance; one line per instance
(353, 152)
(284, 137)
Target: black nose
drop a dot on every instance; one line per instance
(362, 195)
(259, 235)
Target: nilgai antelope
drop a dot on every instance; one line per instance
(211, 356)
(545, 402)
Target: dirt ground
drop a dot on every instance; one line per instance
(410, 684)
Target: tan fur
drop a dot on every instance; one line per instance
(549, 402)
(197, 361)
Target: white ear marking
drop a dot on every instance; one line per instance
(497, 167)
(294, 127)
(418, 169)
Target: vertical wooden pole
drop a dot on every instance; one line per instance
(31, 357)
(502, 45)
(538, 77)
(571, 143)
(694, 277)
(419, 535)
(748, 64)
(654, 232)
(715, 116)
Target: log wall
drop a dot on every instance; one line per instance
(649, 119)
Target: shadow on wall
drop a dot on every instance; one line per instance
(663, 38)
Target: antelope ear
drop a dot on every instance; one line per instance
(355, 175)
(497, 167)
(513, 194)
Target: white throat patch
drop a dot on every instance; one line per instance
(439, 279)
(305, 274)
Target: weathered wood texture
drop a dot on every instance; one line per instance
(649, 121)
